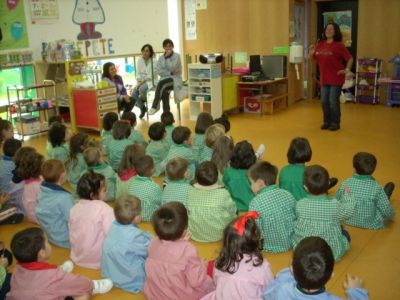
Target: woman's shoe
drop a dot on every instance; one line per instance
(325, 126)
(142, 112)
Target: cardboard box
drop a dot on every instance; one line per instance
(252, 105)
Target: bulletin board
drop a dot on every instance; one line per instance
(43, 10)
(13, 25)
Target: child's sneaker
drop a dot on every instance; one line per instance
(102, 286)
(67, 266)
(260, 151)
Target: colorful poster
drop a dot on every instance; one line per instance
(190, 20)
(87, 14)
(13, 25)
(43, 10)
(344, 20)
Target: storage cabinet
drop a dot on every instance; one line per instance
(92, 104)
(367, 77)
(205, 89)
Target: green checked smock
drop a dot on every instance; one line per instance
(116, 150)
(158, 150)
(291, 178)
(186, 152)
(106, 137)
(176, 190)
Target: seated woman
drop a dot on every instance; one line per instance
(147, 77)
(125, 102)
(170, 70)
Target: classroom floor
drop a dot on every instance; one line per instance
(373, 254)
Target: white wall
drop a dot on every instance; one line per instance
(130, 23)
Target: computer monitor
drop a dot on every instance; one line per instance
(274, 66)
(255, 65)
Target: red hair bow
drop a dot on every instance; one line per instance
(240, 224)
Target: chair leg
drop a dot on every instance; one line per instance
(178, 106)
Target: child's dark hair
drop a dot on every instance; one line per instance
(121, 130)
(22, 153)
(235, 246)
(224, 121)
(57, 134)
(312, 263)
(156, 131)
(316, 179)
(243, 156)
(11, 146)
(30, 165)
(180, 134)
(167, 118)
(265, 171)
(77, 144)
(89, 185)
(299, 151)
(144, 166)
(207, 173)
(52, 169)
(4, 126)
(126, 208)
(132, 154)
(130, 117)
(204, 120)
(26, 244)
(364, 163)
(55, 118)
(176, 168)
(170, 221)
(109, 119)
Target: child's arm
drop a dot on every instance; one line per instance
(66, 284)
(284, 276)
(354, 288)
(346, 205)
(196, 271)
(384, 206)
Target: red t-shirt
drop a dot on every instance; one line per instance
(331, 58)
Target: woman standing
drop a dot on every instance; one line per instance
(147, 77)
(125, 102)
(334, 61)
(170, 70)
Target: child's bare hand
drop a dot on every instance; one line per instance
(347, 190)
(4, 197)
(352, 282)
(4, 262)
(187, 235)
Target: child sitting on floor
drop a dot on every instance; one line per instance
(312, 267)
(6, 132)
(158, 147)
(275, 206)
(121, 131)
(106, 133)
(57, 148)
(240, 270)
(76, 164)
(54, 203)
(174, 270)
(95, 162)
(90, 220)
(136, 137)
(204, 120)
(373, 207)
(177, 188)
(210, 136)
(127, 168)
(7, 164)
(210, 206)
(34, 278)
(167, 118)
(145, 188)
(317, 215)
(125, 247)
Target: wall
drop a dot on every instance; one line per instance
(130, 23)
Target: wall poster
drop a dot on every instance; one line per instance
(344, 20)
(13, 25)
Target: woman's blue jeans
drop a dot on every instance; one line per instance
(330, 96)
(140, 95)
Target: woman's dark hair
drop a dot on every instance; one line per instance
(77, 144)
(150, 49)
(265, 171)
(204, 120)
(89, 185)
(243, 156)
(170, 221)
(26, 244)
(316, 179)
(121, 130)
(156, 131)
(166, 42)
(364, 163)
(207, 173)
(57, 133)
(109, 119)
(299, 151)
(312, 263)
(337, 37)
(224, 121)
(235, 246)
(30, 165)
(106, 70)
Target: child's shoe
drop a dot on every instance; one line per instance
(260, 151)
(389, 187)
(67, 266)
(102, 286)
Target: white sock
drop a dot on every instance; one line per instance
(67, 266)
(102, 286)
(260, 151)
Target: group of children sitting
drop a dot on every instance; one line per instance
(209, 181)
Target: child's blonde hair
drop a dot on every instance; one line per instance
(212, 133)
(92, 156)
(223, 150)
(52, 170)
(126, 208)
(132, 154)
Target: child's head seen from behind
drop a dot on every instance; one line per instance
(92, 186)
(170, 221)
(241, 236)
(207, 173)
(132, 154)
(212, 134)
(204, 120)
(58, 134)
(145, 166)
(130, 117)
(176, 168)
(77, 144)
(53, 171)
(299, 151)
(30, 165)
(224, 121)
(127, 210)
(157, 131)
(181, 135)
(109, 119)
(316, 180)
(312, 263)
(364, 163)
(243, 156)
(262, 174)
(167, 118)
(92, 156)
(121, 130)
(11, 146)
(30, 245)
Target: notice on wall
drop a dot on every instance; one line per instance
(190, 20)
(201, 4)
(13, 25)
(43, 10)
(344, 20)
(240, 57)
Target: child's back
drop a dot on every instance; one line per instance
(176, 190)
(7, 165)
(116, 149)
(75, 168)
(291, 178)
(158, 150)
(30, 197)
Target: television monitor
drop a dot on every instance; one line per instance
(274, 66)
(255, 65)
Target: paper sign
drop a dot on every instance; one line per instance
(280, 50)
(240, 57)
(201, 4)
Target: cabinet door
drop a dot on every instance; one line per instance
(229, 92)
(85, 103)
